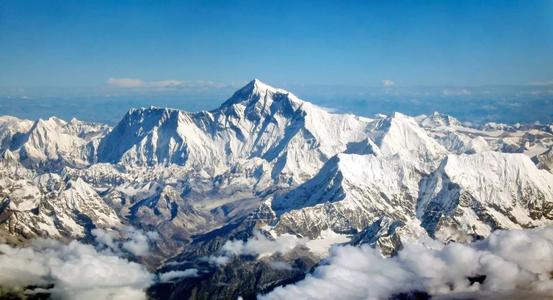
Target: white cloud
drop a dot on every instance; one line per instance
(125, 82)
(130, 240)
(542, 83)
(259, 245)
(280, 265)
(461, 92)
(139, 83)
(135, 83)
(513, 262)
(138, 242)
(168, 276)
(218, 260)
(105, 238)
(76, 270)
(388, 83)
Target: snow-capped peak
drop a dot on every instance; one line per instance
(261, 86)
(401, 135)
(256, 91)
(438, 120)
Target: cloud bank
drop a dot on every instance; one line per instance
(72, 271)
(510, 263)
(81, 271)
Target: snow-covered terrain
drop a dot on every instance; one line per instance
(268, 163)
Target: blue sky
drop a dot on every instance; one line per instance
(341, 54)
(84, 43)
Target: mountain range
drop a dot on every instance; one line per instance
(268, 167)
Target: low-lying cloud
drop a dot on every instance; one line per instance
(72, 271)
(259, 245)
(81, 271)
(517, 262)
(129, 240)
(168, 276)
(388, 83)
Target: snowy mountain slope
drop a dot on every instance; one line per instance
(349, 193)
(46, 205)
(466, 196)
(56, 142)
(12, 130)
(401, 135)
(531, 140)
(479, 193)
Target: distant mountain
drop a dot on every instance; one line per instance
(266, 162)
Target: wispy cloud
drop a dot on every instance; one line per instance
(388, 83)
(125, 82)
(135, 83)
(456, 92)
(259, 245)
(542, 83)
(129, 240)
(168, 276)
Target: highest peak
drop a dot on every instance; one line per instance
(255, 90)
(257, 85)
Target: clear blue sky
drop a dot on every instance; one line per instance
(84, 43)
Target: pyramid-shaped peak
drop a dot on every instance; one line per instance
(255, 90)
(258, 86)
(262, 86)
